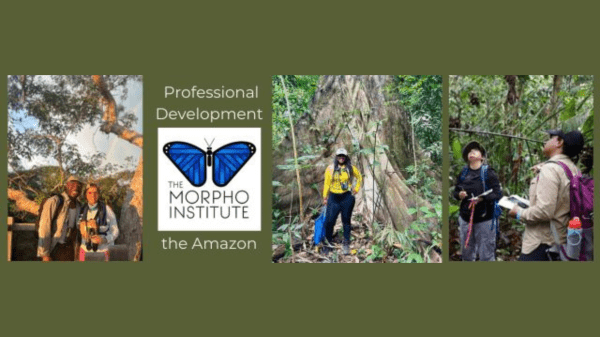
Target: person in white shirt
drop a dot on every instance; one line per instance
(97, 225)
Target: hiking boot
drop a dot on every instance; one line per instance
(346, 247)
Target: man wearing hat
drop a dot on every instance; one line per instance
(477, 229)
(57, 226)
(549, 196)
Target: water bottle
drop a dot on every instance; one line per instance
(574, 239)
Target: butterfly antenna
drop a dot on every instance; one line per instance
(209, 145)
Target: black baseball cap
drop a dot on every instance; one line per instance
(572, 141)
(472, 145)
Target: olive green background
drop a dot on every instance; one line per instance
(241, 292)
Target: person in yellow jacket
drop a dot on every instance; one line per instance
(338, 195)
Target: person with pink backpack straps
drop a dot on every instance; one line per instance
(556, 195)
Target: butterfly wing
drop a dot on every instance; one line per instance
(229, 160)
(190, 160)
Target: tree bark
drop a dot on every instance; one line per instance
(511, 96)
(557, 83)
(345, 112)
(110, 105)
(110, 115)
(22, 202)
(132, 212)
(126, 134)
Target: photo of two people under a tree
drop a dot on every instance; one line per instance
(75, 168)
(521, 149)
(357, 163)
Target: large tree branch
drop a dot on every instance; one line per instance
(126, 134)
(110, 105)
(23, 84)
(110, 115)
(22, 202)
(53, 138)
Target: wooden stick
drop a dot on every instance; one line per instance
(9, 237)
(294, 145)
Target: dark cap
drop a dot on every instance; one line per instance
(472, 145)
(572, 141)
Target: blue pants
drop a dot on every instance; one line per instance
(336, 204)
(482, 241)
(540, 254)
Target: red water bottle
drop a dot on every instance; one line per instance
(574, 239)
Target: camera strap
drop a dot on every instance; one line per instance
(339, 178)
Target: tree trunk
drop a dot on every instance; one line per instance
(345, 113)
(511, 96)
(132, 214)
(551, 108)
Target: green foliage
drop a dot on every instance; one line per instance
(421, 179)
(456, 149)
(377, 253)
(44, 181)
(411, 250)
(533, 105)
(301, 89)
(287, 232)
(428, 218)
(588, 126)
(277, 215)
(43, 111)
(421, 96)
(481, 103)
(453, 210)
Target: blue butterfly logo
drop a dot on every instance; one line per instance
(226, 161)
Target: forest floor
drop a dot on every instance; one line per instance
(508, 242)
(363, 248)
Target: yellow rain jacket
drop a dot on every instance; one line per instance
(334, 180)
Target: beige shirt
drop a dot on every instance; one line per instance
(52, 234)
(549, 198)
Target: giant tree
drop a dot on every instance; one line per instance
(364, 115)
(44, 111)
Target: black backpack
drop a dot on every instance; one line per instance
(55, 215)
